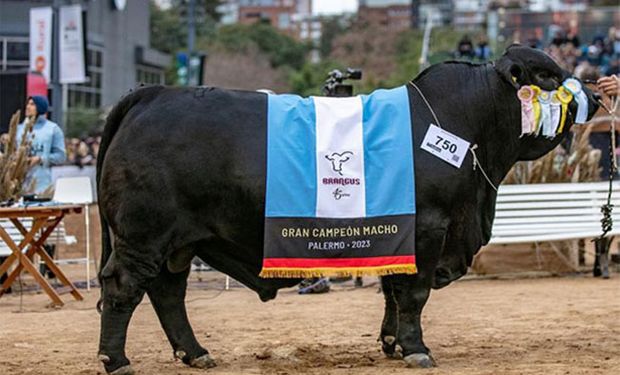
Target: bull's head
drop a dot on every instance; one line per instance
(521, 66)
(338, 159)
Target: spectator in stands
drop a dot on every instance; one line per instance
(613, 68)
(534, 42)
(465, 48)
(572, 39)
(483, 51)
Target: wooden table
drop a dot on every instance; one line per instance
(44, 221)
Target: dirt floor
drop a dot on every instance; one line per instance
(567, 325)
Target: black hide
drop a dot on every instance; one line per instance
(183, 169)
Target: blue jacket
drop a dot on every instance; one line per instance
(49, 144)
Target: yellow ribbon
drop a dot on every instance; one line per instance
(565, 97)
(536, 108)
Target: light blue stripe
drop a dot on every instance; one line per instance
(388, 153)
(291, 157)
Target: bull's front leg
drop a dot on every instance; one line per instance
(410, 298)
(405, 297)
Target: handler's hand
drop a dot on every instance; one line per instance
(609, 85)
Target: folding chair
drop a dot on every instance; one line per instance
(77, 190)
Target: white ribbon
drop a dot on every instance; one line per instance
(574, 86)
(582, 108)
(545, 114)
(556, 112)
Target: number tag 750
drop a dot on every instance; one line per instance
(445, 145)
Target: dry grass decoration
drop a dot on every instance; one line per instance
(580, 163)
(14, 164)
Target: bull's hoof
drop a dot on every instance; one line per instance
(204, 361)
(420, 360)
(125, 370)
(388, 346)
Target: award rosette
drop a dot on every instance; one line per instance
(564, 97)
(340, 196)
(544, 98)
(575, 88)
(556, 111)
(525, 95)
(536, 109)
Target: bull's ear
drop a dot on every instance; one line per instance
(511, 71)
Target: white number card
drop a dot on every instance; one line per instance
(445, 146)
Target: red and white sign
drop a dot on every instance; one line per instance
(35, 85)
(41, 40)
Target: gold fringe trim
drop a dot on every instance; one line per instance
(409, 269)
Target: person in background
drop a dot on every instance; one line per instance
(610, 87)
(47, 149)
(465, 48)
(483, 50)
(48, 144)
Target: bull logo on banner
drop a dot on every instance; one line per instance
(338, 159)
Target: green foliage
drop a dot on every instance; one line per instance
(167, 35)
(310, 78)
(82, 122)
(169, 27)
(281, 49)
(443, 43)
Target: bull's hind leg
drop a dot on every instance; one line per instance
(167, 293)
(124, 279)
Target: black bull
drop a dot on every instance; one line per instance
(182, 173)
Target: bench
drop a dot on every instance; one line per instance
(537, 213)
(552, 212)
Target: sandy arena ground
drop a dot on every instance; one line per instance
(565, 325)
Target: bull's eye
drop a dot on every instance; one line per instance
(543, 75)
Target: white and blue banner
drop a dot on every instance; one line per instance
(340, 185)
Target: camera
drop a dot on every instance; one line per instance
(334, 85)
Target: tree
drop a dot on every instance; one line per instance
(167, 35)
(169, 26)
(281, 49)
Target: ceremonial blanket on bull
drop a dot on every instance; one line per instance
(340, 186)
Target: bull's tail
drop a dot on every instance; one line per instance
(113, 123)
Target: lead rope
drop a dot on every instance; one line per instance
(472, 148)
(606, 209)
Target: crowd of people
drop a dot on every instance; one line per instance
(602, 53)
(82, 151)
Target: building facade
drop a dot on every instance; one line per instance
(118, 56)
(392, 14)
